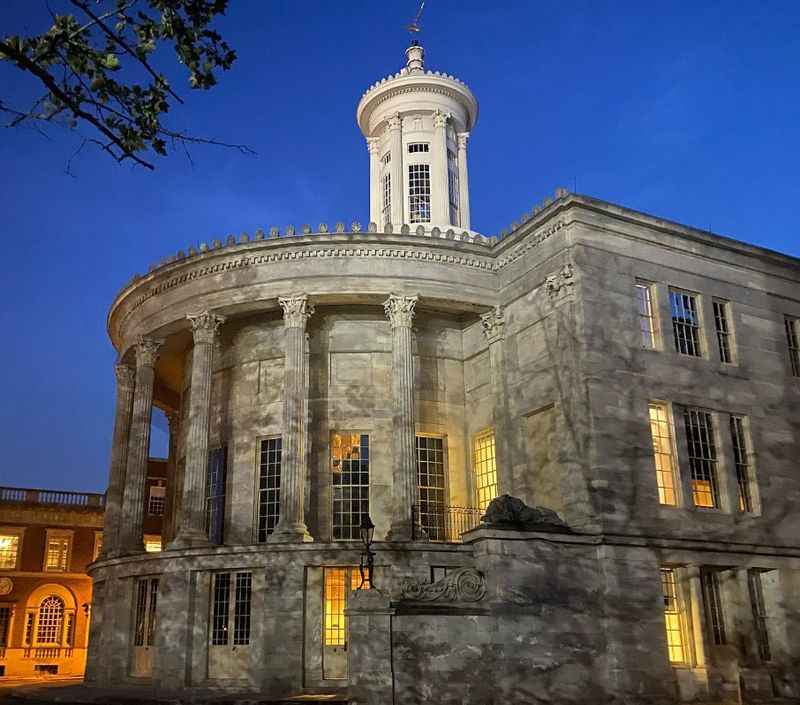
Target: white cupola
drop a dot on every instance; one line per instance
(417, 124)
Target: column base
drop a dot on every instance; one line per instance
(405, 531)
(293, 533)
(189, 539)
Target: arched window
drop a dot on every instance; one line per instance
(51, 618)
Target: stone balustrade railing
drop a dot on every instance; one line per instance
(26, 495)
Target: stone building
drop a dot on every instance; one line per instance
(639, 377)
(47, 538)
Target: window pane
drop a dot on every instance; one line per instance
(713, 601)
(5, 621)
(334, 620)
(741, 462)
(350, 480)
(647, 324)
(387, 198)
(57, 553)
(793, 341)
(215, 494)
(702, 457)
(483, 461)
(685, 323)
(269, 487)
(722, 327)
(672, 616)
(9, 546)
(219, 614)
(241, 609)
(661, 433)
(759, 614)
(419, 193)
(51, 616)
(430, 482)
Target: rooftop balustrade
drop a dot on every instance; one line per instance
(52, 498)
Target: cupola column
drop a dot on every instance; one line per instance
(463, 181)
(494, 326)
(375, 186)
(138, 446)
(292, 526)
(191, 530)
(396, 170)
(400, 312)
(119, 455)
(440, 205)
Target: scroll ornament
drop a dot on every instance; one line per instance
(462, 585)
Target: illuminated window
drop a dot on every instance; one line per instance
(350, 479)
(740, 441)
(5, 623)
(225, 591)
(672, 616)
(51, 621)
(334, 628)
(647, 318)
(419, 193)
(685, 323)
(269, 487)
(27, 638)
(215, 494)
(452, 187)
(98, 545)
(157, 499)
(416, 147)
(387, 198)
(57, 551)
(722, 327)
(713, 603)
(759, 613)
(69, 632)
(793, 342)
(663, 447)
(152, 543)
(702, 457)
(9, 549)
(430, 481)
(145, 621)
(483, 463)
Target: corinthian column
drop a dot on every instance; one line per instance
(494, 326)
(375, 186)
(291, 525)
(440, 195)
(400, 312)
(463, 180)
(191, 530)
(119, 455)
(138, 446)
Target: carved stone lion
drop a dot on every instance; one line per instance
(509, 512)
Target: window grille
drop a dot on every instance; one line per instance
(57, 555)
(741, 462)
(484, 464)
(647, 318)
(713, 601)
(156, 500)
(452, 187)
(386, 158)
(419, 193)
(430, 481)
(685, 323)
(334, 626)
(5, 622)
(723, 330)
(215, 494)
(793, 341)
(219, 615)
(663, 453)
(269, 487)
(9, 547)
(51, 620)
(241, 609)
(416, 147)
(672, 616)
(387, 198)
(69, 639)
(702, 457)
(28, 638)
(350, 479)
(145, 620)
(759, 614)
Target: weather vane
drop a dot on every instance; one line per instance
(414, 27)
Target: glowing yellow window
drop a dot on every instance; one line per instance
(661, 433)
(483, 461)
(9, 547)
(672, 616)
(152, 543)
(334, 629)
(57, 553)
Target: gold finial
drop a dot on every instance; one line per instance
(414, 27)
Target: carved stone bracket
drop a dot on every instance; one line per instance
(560, 283)
(296, 310)
(494, 325)
(462, 585)
(205, 326)
(400, 310)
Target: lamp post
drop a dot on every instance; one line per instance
(367, 563)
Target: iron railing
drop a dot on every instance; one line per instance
(444, 524)
(60, 498)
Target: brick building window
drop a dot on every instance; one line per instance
(673, 616)
(702, 457)
(431, 486)
(685, 323)
(645, 296)
(793, 342)
(350, 479)
(722, 326)
(485, 468)
(663, 453)
(741, 458)
(269, 486)
(9, 548)
(51, 620)
(58, 547)
(713, 602)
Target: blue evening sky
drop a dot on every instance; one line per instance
(687, 110)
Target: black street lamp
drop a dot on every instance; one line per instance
(367, 564)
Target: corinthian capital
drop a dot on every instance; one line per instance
(125, 375)
(400, 310)
(494, 325)
(439, 119)
(395, 122)
(205, 326)
(372, 144)
(463, 138)
(296, 310)
(147, 351)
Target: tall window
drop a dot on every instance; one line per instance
(226, 591)
(9, 550)
(722, 327)
(452, 187)
(430, 480)
(685, 323)
(759, 614)
(702, 457)
(672, 616)
(387, 198)
(269, 487)
(663, 453)
(215, 494)
(419, 193)
(793, 341)
(740, 442)
(336, 583)
(5, 623)
(647, 318)
(51, 621)
(713, 603)
(483, 462)
(157, 499)
(145, 621)
(350, 476)
(56, 557)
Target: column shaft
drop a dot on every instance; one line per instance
(119, 455)
(170, 503)
(440, 195)
(463, 180)
(494, 329)
(375, 186)
(396, 170)
(138, 447)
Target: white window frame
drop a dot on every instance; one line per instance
(723, 329)
(651, 316)
(701, 345)
(58, 534)
(673, 452)
(19, 532)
